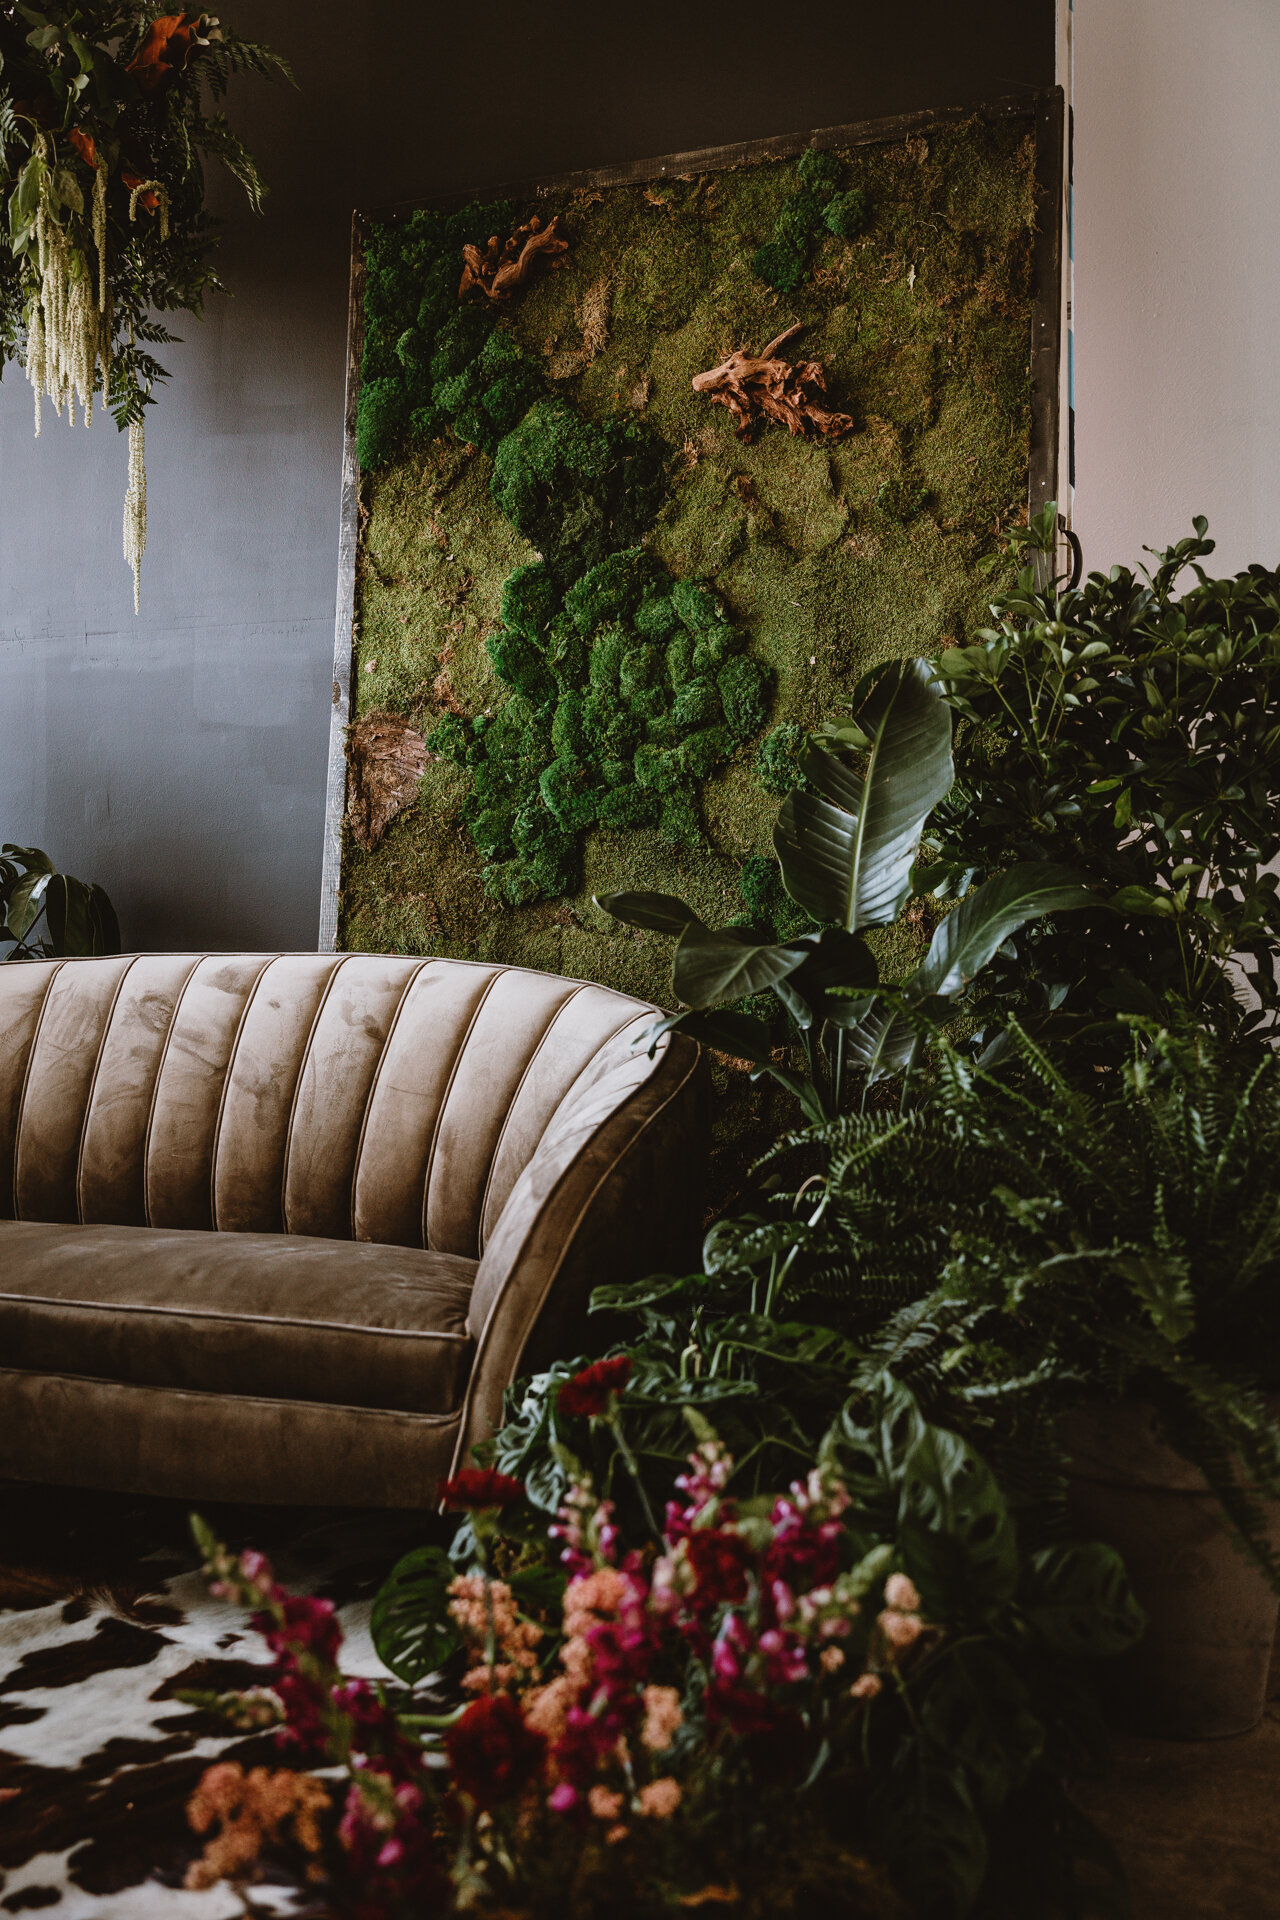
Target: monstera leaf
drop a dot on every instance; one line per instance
(847, 847)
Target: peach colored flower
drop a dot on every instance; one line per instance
(662, 1716)
(659, 1799)
(617, 1833)
(604, 1804)
(251, 1810)
(866, 1686)
(591, 1595)
(901, 1630)
(831, 1658)
(900, 1593)
(545, 1708)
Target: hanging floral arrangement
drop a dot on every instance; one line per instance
(106, 111)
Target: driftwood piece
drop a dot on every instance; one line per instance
(495, 271)
(385, 760)
(765, 387)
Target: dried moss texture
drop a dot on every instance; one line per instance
(583, 744)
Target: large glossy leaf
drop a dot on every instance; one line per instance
(412, 1631)
(967, 938)
(881, 1042)
(34, 859)
(847, 847)
(106, 934)
(26, 898)
(834, 979)
(739, 1034)
(69, 915)
(656, 912)
(709, 966)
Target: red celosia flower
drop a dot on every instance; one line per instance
(718, 1562)
(83, 144)
(165, 50)
(476, 1487)
(492, 1753)
(588, 1393)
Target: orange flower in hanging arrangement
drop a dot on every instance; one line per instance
(150, 199)
(167, 48)
(84, 146)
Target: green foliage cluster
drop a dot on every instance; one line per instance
(628, 689)
(1129, 730)
(1042, 1232)
(820, 205)
(847, 844)
(78, 917)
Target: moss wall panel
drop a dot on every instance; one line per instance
(609, 614)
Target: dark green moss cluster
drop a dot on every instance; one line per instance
(820, 205)
(778, 761)
(430, 361)
(576, 489)
(627, 691)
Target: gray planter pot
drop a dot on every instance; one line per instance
(1201, 1669)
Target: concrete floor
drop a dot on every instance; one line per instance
(1197, 1823)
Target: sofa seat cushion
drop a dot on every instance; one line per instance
(281, 1316)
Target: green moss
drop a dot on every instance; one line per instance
(575, 489)
(778, 761)
(819, 172)
(602, 732)
(784, 259)
(847, 214)
(417, 344)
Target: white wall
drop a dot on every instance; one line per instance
(1177, 276)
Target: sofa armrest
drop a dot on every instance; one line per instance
(614, 1191)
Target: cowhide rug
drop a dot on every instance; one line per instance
(104, 1619)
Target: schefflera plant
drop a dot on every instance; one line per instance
(847, 843)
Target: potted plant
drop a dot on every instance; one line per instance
(1081, 1271)
(77, 917)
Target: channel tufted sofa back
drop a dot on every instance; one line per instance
(362, 1096)
(190, 1142)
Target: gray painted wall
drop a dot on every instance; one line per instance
(179, 757)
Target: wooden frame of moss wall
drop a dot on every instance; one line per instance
(628, 725)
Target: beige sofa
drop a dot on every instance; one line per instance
(283, 1227)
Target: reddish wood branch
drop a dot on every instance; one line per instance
(763, 386)
(497, 270)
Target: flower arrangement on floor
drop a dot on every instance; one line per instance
(758, 1702)
(103, 121)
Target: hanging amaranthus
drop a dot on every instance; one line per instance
(68, 337)
(103, 119)
(135, 507)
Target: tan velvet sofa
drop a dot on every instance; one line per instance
(283, 1227)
